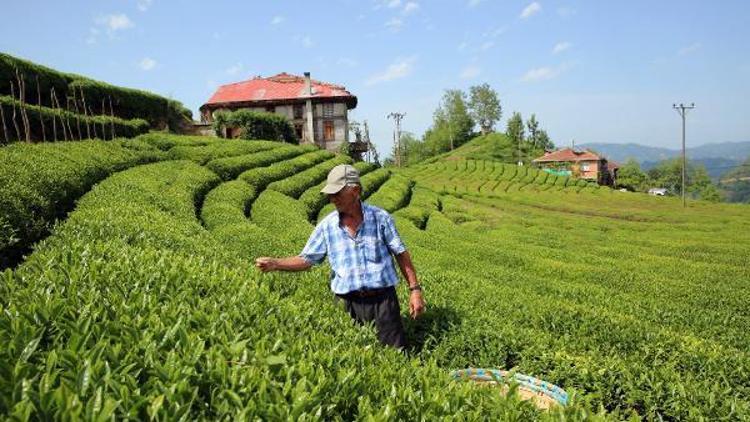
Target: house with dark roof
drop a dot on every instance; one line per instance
(584, 164)
(317, 110)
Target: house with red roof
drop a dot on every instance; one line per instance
(584, 164)
(317, 110)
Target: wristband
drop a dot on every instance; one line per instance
(415, 288)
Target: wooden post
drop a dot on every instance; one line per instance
(6, 139)
(104, 113)
(54, 119)
(78, 115)
(85, 113)
(67, 107)
(39, 104)
(111, 116)
(62, 119)
(22, 99)
(91, 111)
(13, 97)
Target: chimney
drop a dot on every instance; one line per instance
(309, 135)
(308, 85)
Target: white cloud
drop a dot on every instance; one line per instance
(689, 49)
(346, 61)
(463, 46)
(277, 20)
(147, 63)
(539, 74)
(115, 22)
(394, 24)
(531, 10)
(561, 46)
(470, 72)
(143, 5)
(474, 3)
(410, 7)
(235, 69)
(495, 32)
(543, 73)
(397, 70)
(487, 45)
(306, 41)
(392, 4)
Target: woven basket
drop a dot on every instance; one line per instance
(543, 394)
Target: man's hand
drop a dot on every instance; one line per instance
(416, 304)
(266, 264)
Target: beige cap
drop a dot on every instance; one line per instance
(338, 177)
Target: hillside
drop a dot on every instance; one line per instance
(494, 146)
(38, 103)
(142, 301)
(718, 158)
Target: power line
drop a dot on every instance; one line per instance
(397, 117)
(682, 110)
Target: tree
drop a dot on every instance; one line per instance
(543, 141)
(452, 125)
(413, 150)
(484, 106)
(736, 183)
(631, 177)
(515, 131)
(533, 126)
(668, 174)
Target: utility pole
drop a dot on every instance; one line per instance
(397, 117)
(682, 110)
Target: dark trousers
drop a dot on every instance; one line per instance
(382, 310)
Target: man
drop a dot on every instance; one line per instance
(359, 240)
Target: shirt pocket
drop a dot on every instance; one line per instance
(372, 248)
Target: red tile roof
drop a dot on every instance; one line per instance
(568, 155)
(281, 87)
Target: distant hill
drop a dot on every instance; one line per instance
(718, 158)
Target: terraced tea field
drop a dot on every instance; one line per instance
(143, 302)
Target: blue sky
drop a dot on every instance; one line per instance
(592, 71)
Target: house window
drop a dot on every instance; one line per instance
(328, 130)
(298, 131)
(328, 110)
(585, 167)
(298, 111)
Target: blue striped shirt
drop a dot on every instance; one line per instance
(359, 262)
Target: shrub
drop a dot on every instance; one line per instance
(226, 148)
(45, 122)
(227, 204)
(127, 103)
(40, 183)
(230, 167)
(394, 194)
(260, 177)
(257, 125)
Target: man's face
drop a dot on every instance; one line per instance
(346, 198)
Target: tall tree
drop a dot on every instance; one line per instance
(515, 131)
(631, 177)
(668, 174)
(485, 108)
(452, 125)
(543, 141)
(533, 126)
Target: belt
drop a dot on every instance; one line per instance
(366, 293)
